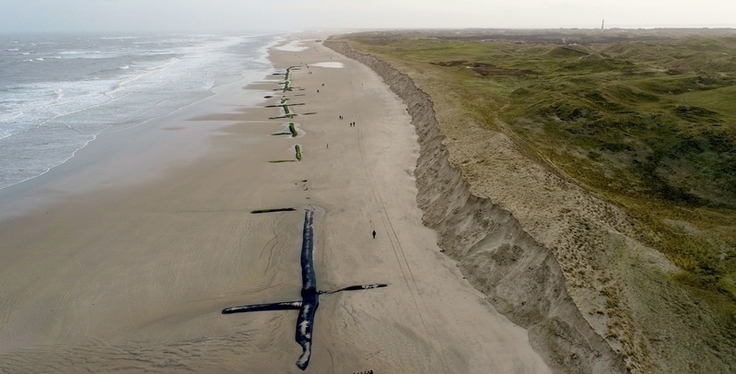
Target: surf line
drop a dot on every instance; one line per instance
(309, 303)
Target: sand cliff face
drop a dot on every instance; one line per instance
(521, 277)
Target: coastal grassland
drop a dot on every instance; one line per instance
(644, 120)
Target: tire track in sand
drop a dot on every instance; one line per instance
(396, 246)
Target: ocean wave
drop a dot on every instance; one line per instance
(208, 86)
(118, 37)
(263, 51)
(7, 117)
(55, 118)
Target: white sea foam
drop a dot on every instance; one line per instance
(118, 37)
(263, 51)
(208, 86)
(44, 123)
(5, 117)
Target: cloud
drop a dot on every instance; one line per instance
(232, 15)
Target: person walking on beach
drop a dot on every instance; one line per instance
(374, 234)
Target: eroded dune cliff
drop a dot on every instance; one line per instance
(520, 276)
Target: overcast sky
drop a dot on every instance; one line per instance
(22, 16)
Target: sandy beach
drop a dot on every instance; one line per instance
(123, 258)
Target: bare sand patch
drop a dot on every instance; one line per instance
(292, 46)
(329, 64)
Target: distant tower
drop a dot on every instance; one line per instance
(603, 23)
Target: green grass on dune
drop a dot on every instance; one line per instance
(649, 124)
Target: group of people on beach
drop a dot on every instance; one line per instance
(352, 124)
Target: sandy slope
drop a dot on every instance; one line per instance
(130, 273)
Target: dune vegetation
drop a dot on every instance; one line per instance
(645, 120)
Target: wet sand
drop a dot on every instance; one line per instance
(123, 258)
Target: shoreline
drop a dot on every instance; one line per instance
(177, 114)
(20, 199)
(141, 272)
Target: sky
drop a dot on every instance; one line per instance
(207, 16)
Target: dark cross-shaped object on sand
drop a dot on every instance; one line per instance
(310, 296)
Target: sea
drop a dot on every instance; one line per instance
(58, 93)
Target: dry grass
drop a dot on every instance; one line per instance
(642, 120)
